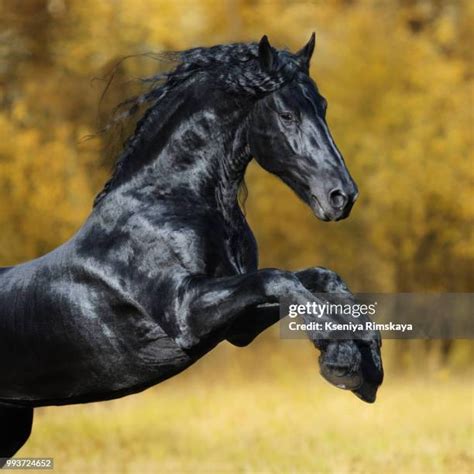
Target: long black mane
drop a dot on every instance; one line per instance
(234, 68)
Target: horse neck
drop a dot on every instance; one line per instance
(232, 166)
(203, 159)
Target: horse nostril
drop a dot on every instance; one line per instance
(338, 198)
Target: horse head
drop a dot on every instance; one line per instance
(289, 136)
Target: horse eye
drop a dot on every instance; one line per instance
(287, 116)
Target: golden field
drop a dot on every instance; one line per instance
(266, 410)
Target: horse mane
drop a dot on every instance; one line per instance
(232, 67)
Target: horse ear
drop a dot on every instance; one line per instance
(265, 54)
(306, 52)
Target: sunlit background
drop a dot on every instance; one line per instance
(398, 76)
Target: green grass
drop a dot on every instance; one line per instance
(247, 411)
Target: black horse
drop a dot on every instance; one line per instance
(166, 266)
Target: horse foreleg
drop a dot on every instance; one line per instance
(15, 429)
(253, 321)
(340, 357)
(207, 307)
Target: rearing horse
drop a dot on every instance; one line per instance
(166, 266)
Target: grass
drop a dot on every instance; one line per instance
(265, 410)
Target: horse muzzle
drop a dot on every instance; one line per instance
(335, 206)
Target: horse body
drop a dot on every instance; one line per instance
(166, 266)
(76, 332)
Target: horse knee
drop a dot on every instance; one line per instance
(334, 283)
(15, 429)
(322, 280)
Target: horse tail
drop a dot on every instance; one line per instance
(15, 429)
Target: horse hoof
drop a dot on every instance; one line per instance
(346, 381)
(340, 365)
(366, 392)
